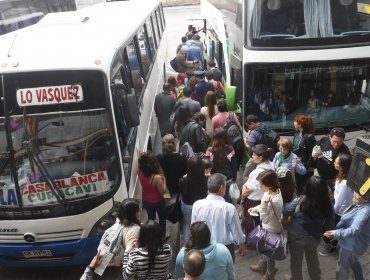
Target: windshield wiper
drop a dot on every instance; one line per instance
(33, 158)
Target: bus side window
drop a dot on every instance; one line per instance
(162, 14)
(150, 24)
(132, 68)
(158, 23)
(149, 31)
(145, 55)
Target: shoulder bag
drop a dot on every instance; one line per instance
(173, 209)
(270, 244)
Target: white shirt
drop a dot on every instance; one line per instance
(270, 221)
(253, 184)
(342, 196)
(221, 217)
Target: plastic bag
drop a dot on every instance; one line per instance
(234, 191)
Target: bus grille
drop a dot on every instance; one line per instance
(44, 237)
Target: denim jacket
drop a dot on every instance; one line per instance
(300, 168)
(353, 230)
(304, 225)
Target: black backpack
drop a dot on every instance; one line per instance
(173, 64)
(269, 137)
(219, 92)
(232, 130)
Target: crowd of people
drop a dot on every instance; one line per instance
(303, 186)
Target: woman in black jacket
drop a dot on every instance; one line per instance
(193, 187)
(303, 143)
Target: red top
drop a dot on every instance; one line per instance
(150, 192)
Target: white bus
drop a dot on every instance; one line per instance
(296, 50)
(77, 95)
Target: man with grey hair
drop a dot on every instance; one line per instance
(220, 216)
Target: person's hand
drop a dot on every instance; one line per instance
(294, 164)
(244, 192)
(251, 210)
(242, 250)
(329, 234)
(96, 260)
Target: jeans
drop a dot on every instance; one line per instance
(186, 221)
(270, 264)
(153, 208)
(346, 261)
(308, 246)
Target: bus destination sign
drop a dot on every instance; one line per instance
(49, 95)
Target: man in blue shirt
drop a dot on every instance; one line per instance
(353, 234)
(201, 88)
(195, 53)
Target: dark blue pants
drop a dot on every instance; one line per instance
(154, 209)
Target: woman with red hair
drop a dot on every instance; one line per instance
(173, 83)
(303, 143)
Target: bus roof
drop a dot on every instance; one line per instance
(74, 40)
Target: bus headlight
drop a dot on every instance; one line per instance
(106, 221)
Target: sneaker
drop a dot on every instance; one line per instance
(327, 251)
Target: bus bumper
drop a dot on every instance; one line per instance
(65, 253)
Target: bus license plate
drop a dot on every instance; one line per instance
(37, 254)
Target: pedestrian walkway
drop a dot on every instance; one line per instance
(328, 264)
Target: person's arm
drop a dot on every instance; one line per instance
(357, 226)
(201, 138)
(89, 271)
(289, 208)
(235, 228)
(160, 182)
(298, 166)
(179, 262)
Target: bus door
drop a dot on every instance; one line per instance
(127, 119)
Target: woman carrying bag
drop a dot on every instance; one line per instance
(153, 188)
(270, 211)
(311, 215)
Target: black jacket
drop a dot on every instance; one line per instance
(303, 146)
(195, 135)
(325, 162)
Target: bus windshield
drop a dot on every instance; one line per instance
(293, 23)
(335, 94)
(55, 139)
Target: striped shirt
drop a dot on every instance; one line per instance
(136, 264)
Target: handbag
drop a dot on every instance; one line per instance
(234, 191)
(270, 244)
(172, 209)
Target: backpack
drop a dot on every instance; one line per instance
(186, 150)
(269, 137)
(232, 130)
(219, 92)
(173, 64)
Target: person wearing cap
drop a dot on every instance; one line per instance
(201, 88)
(326, 151)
